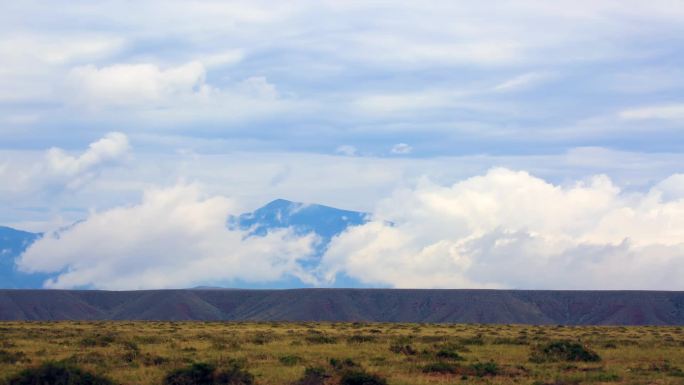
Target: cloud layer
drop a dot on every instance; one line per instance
(503, 229)
(174, 238)
(447, 79)
(509, 229)
(398, 108)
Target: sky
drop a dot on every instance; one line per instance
(512, 144)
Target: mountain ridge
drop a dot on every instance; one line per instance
(563, 307)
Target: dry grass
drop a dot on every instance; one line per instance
(278, 353)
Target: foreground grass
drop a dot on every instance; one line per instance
(403, 354)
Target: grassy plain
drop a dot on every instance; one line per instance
(403, 354)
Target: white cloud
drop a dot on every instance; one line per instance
(32, 63)
(73, 171)
(132, 84)
(57, 170)
(401, 149)
(175, 237)
(511, 229)
(171, 96)
(664, 112)
(501, 229)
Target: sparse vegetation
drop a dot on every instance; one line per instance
(360, 377)
(313, 353)
(57, 373)
(208, 374)
(563, 351)
(290, 360)
(313, 376)
(441, 368)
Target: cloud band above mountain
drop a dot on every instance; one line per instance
(503, 229)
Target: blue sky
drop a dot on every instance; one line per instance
(349, 104)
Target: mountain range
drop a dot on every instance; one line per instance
(379, 305)
(324, 221)
(20, 301)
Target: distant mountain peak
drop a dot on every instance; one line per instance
(304, 218)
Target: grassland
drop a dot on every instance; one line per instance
(403, 354)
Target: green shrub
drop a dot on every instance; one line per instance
(448, 354)
(361, 378)
(482, 369)
(563, 351)
(234, 375)
(207, 374)
(347, 363)
(441, 368)
(313, 376)
(195, 374)
(57, 373)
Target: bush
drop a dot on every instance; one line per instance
(195, 374)
(448, 354)
(361, 378)
(101, 340)
(235, 375)
(153, 360)
(321, 339)
(359, 339)
(344, 364)
(206, 374)
(441, 368)
(262, 338)
(563, 351)
(7, 357)
(402, 346)
(482, 369)
(313, 376)
(290, 360)
(57, 373)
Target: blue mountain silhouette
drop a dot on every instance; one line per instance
(324, 221)
(12, 243)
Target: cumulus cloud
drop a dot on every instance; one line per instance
(173, 95)
(513, 230)
(58, 170)
(175, 237)
(74, 171)
(502, 229)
